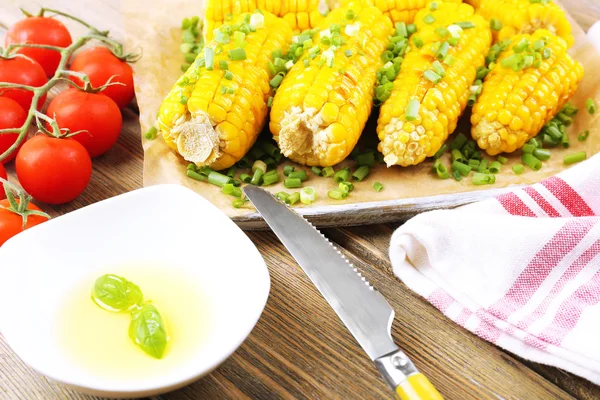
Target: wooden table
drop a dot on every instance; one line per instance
(299, 348)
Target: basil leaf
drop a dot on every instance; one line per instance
(114, 293)
(148, 331)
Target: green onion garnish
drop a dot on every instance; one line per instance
(327, 172)
(282, 195)
(531, 161)
(518, 169)
(346, 186)
(270, 178)
(222, 37)
(245, 178)
(417, 41)
(538, 45)
(223, 65)
(316, 170)
(474, 164)
(495, 24)
(440, 169)
(443, 51)
(293, 198)
(431, 76)
(442, 31)
(367, 159)
(546, 53)
(483, 165)
(457, 175)
(429, 19)
(433, 6)
(350, 14)
(401, 30)
(542, 154)
(228, 75)
(218, 179)
(411, 28)
(502, 160)
(521, 45)
(194, 175)
(238, 203)
(466, 24)
(151, 133)
(348, 53)
(258, 164)
(337, 194)
(361, 173)
(456, 155)
(483, 179)
(237, 54)
(276, 81)
(301, 174)
(440, 152)
(230, 189)
(464, 169)
(514, 61)
(342, 175)
(308, 195)
(590, 106)
(453, 41)
(495, 167)
(239, 38)
(209, 57)
(378, 187)
(449, 60)
(412, 109)
(292, 183)
(583, 135)
(288, 169)
(575, 158)
(438, 68)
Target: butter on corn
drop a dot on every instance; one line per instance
(323, 104)
(215, 111)
(516, 103)
(525, 16)
(432, 89)
(299, 14)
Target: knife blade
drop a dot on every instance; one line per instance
(363, 310)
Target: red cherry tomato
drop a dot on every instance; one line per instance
(91, 112)
(12, 223)
(25, 72)
(100, 64)
(3, 175)
(40, 30)
(53, 170)
(12, 115)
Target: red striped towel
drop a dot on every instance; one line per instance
(521, 271)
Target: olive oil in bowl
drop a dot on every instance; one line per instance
(97, 341)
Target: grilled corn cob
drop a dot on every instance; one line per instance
(516, 102)
(525, 16)
(299, 14)
(216, 110)
(431, 90)
(398, 10)
(324, 102)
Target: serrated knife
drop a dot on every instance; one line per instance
(363, 310)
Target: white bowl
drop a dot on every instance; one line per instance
(165, 223)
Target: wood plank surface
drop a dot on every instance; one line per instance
(299, 349)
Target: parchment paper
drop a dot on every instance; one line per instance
(154, 27)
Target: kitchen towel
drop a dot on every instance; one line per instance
(521, 271)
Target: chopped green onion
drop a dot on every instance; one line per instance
(554, 132)
(483, 179)
(464, 169)
(521, 46)
(291, 183)
(288, 169)
(542, 154)
(350, 14)
(590, 106)
(232, 171)
(483, 165)
(495, 24)
(348, 53)
(431, 76)
(442, 31)
(575, 158)
(378, 187)
(440, 152)
(282, 195)
(531, 161)
(276, 81)
(230, 189)
(583, 135)
(301, 174)
(401, 30)
(411, 28)
(514, 61)
(245, 178)
(429, 19)
(237, 54)
(417, 41)
(194, 175)
(528, 148)
(459, 141)
(502, 160)
(466, 24)
(238, 203)
(293, 198)
(228, 75)
(535, 142)
(457, 175)
(258, 164)
(449, 60)
(218, 179)
(440, 169)
(257, 176)
(221, 37)
(365, 159)
(443, 51)
(223, 65)
(270, 149)
(342, 175)
(474, 164)
(456, 155)
(433, 6)
(346, 186)
(495, 167)
(412, 110)
(337, 194)
(518, 169)
(438, 68)
(308, 195)
(316, 170)
(538, 45)
(327, 172)
(270, 178)
(361, 173)
(151, 133)
(209, 57)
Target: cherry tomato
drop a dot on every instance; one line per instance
(12, 115)
(12, 223)
(40, 30)
(100, 64)
(3, 175)
(91, 112)
(25, 72)
(53, 170)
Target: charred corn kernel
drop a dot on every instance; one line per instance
(415, 121)
(299, 14)
(320, 109)
(515, 104)
(212, 120)
(525, 16)
(396, 10)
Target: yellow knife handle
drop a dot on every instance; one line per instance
(417, 387)
(403, 377)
